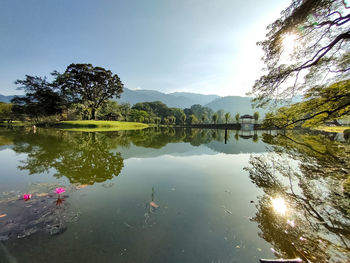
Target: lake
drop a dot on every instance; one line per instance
(173, 195)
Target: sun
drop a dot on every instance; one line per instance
(289, 43)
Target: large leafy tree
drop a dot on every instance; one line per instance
(307, 46)
(89, 85)
(40, 98)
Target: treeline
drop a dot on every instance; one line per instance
(159, 113)
(85, 92)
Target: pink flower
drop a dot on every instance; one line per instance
(60, 190)
(26, 197)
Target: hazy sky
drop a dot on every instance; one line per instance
(203, 46)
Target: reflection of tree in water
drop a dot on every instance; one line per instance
(316, 226)
(87, 157)
(81, 157)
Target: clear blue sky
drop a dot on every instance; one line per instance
(203, 46)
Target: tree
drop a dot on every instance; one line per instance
(110, 107)
(215, 118)
(237, 117)
(125, 110)
(183, 118)
(307, 46)
(172, 119)
(40, 98)
(6, 111)
(157, 120)
(138, 115)
(227, 116)
(221, 115)
(177, 113)
(256, 116)
(89, 85)
(192, 119)
(203, 118)
(321, 104)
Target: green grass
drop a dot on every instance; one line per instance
(94, 126)
(333, 128)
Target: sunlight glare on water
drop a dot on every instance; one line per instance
(279, 205)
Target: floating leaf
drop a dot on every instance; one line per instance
(153, 204)
(81, 186)
(42, 194)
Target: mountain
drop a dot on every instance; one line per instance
(6, 99)
(232, 104)
(176, 99)
(235, 104)
(198, 98)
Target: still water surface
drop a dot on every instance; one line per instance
(169, 195)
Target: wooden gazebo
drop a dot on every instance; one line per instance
(247, 117)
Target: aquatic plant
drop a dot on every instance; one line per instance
(26, 197)
(60, 190)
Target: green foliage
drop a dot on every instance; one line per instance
(347, 134)
(138, 115)
(5, 110)
(125, 110)
(199, 111)
(227, 116)
(80, 91)
(221, 116)
(320, 30)
(321, 104)
(203, 118)
(256, 116)
(346, 186)
(40, 98)
(237, 117)
(215, 118)
(88, 85)
(192, 119)
(110, 108)
(183, 118)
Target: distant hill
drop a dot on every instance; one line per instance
(235, 104)
(198, 98)
(232, 104)
(6, 99)
(176, 99)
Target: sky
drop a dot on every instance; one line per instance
(201, 46)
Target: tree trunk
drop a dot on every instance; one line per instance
(93, 114)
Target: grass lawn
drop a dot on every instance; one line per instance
(92, 126)
(332, 128)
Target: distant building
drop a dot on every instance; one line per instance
(246, 123)
(247, 117)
